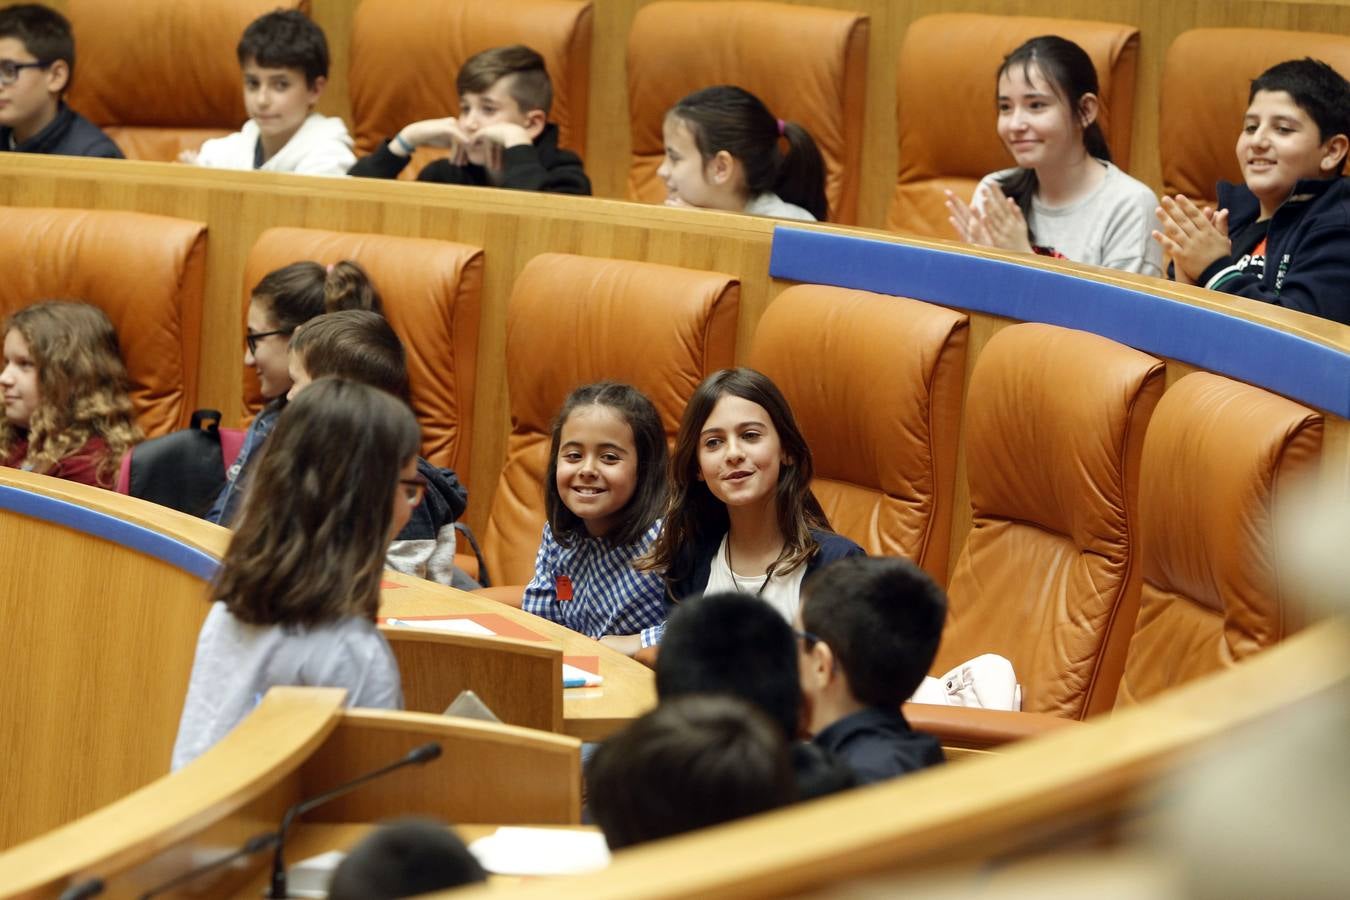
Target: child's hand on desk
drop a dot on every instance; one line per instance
(627, 644)
(188, 156)
(1192, 236)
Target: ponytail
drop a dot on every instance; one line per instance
(801, 174)
(347, 286)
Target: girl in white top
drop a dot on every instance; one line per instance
(725, 150)
(1065, 198)
(296, 594)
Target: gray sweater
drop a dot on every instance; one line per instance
(237, 663)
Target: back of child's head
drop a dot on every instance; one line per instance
(1317, 89)
(730, 643)
(405, 858)
(309, 544)
(356, 344)
(43, 31)
(692, 511)
(286, 39)
(649, 444)
(82, 385)
(1069, 72)
(730, 118)
(690, 763)
(297, 293)
(882, 617)
(529, 86)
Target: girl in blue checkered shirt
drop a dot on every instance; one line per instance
(604, 492)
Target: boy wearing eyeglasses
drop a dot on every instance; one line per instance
(868, 630)
(37, 60)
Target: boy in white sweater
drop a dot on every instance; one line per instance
(284, 58)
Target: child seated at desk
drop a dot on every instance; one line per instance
(284, 58)
(37, 61)
(1283, 236)
(869, 629)
(295, 598)
(405, 858)
(501, 138)
(690, 763)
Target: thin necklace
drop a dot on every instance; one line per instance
(735, 579)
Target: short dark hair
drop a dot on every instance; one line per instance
(1317, 89)
(43, 31)
(882, 616)
(357, 344)
(286, 39)
(690, 763)
(729, 643)
(649, 442)
(530, 87)
(405, 858)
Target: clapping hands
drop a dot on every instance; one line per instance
(1192, 236)
(990, 220)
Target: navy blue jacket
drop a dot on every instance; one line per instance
(832, 546)
(878, 744)
(1307, 249)
(69, 134)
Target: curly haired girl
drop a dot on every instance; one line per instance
(67, 413)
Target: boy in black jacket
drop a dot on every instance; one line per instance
(37, 60)
(1284, 236)
(501, 138)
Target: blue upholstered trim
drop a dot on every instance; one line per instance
(109, 528)
(1249, 351)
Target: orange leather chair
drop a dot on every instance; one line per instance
(432, 297)
(1218, 456)
(948, 139)
(146, 272)
(161, 76)
(883, 423)
(405, 58)
(1206, 77)
(573, 320)
(808, 65)
(1055, 423)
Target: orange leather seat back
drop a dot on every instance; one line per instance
(1206, 77)
(146, 272)
(161, 76)
(948, 137)
(1218, 456)
(405, 58)
(883, 422)
(808, 65)
(1055, 422)
(573, 320)
(431, 292)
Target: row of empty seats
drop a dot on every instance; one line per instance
(809, 65)
(1083, 499)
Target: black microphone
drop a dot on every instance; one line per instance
(82, 890)
(255, 844)
(415, 757)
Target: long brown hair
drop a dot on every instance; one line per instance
(311, 538)
(694, 515)
(82, 387)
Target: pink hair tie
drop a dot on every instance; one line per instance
(781, 126)
(329, 268)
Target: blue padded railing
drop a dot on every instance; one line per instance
(1285, 363)
(110, 528)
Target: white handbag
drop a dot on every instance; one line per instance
(985, 682)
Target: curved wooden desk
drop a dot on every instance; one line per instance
(1069, 788)
(297, 744)
(90, 580)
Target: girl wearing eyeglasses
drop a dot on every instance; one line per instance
(283, 301)
(295, 598)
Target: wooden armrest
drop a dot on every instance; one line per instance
(510, 594)
(980, 729)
